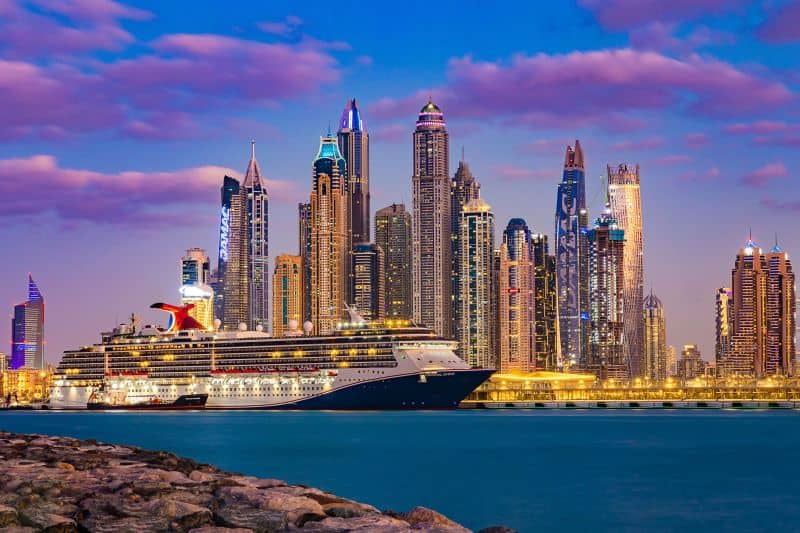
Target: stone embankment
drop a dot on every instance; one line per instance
(59, 484)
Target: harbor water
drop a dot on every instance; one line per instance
(530, 470)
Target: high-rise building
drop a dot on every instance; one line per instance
(432, 249)
(691, 364)
(474, 316)
(229, 189)
(354, 146)
(747, 354)
(545, 298)
(780, 347)
(393, 235)
(723, 323)
(606, 279)
(257, 243)
(27, 330)
(234, 236)
(329, 239)
(515, 299)
(368, 270)
(463, 189)
(655, 338)
(287, 293)
(195, 286)
(572, 260)
(304, 250)
(626, 208)
(672, 361)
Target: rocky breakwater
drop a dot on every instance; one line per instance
(58, 484)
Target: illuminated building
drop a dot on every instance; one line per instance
(432, 249)
(780, 345)
(545, 305)
(329, 238)
(515, 299)
(690, 365)
(672, 361)
(201, 296)
(723, 322)
(655, 338)
(368, 278)
(257, 243)
(195, 267)
(747, 354)
(474, 316)
(393, 235)
(233, 257)
(572, 261)
(5, 362)
(463, 189)
(606, 281)
(354, 146)
(304, 249)
(287, 293)
(626, 207)
(27, 330)
(25, 385)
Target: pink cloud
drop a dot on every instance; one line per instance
(642, 144)
(125, 198)
(697, 139)
(283, 28)
(759, 127)
(781, 205)
(660, 36)
(93, 10)
(782, 25)
(507, 172)
(393, 133)
(783, 139)
(764, 175)
(626, 14)
(543, 146)
(590, 88)
(691, 176)
(673, 159)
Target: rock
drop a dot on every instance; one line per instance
(261, 520)
(218, 529)
(381, 523)
(8, 516)
(175, 478)
(348, 509)
(18, 529)
(201, 477)
(498, 529)
(43, 521)
(65, 466)
(422, 517)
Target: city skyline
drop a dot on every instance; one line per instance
(148, 240)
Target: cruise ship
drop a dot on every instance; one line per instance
(360, 365)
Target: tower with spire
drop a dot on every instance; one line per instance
(655, 339)
(354, 146)
(432, 222)
(781, 302)
(572, 260)
(27, 330)
(464, 188)
(257, 200)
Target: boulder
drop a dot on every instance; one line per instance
(424, 518)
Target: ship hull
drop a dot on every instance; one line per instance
(185, 402)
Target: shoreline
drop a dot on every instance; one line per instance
(61, 484)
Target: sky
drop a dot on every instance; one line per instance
(119, 120)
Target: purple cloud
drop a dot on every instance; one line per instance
(759, 127)
(124, 198)
(543, 146)
(626, 14)
(661, 37)
(393, 133)
(781, 205)
(691, 176)
(507, 172)
(643, 144)
(283, 28)
(764, 175)
(782, 25)
(791, 140)
(697, 139)
(673, 159)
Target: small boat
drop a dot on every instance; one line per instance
(187, 401)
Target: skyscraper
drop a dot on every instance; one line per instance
(463, 189)
(234, 237)
(432, 250)
(606, 281)
(655, 338)
(545, 306)
(572, 261)
(304, 250)
(229, 189)
(515, 299)
(723, 323)
(474, 317)
(626, 208)
(354, 146)
(747, 353)
(780, 346)
(329, 238)
(287, 293)
(393, 235)
(368, 278)
(195, 288)
(195, 267)
(27, 330)
(258, 243)
(691, 364)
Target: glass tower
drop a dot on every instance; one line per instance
(27, 330)
(257, 243)
(393, 235)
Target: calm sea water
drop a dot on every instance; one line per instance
(533, 471)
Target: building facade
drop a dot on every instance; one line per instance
(196, 287)
(432, 246)
(474, 317)
(304, 250)
(393, 235)
(255, 190)
(329, 237)
(27, 330)
(287, 294)
(572, 260)
(606, 281)
(545, 306)
(463, 189)
(515, 299)
(228, 191)
(780, 342)
(626, 207)
(195, 267)
(691, 364)
(368, 270)
(655, 339)
(354, 146)
(723, 323)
